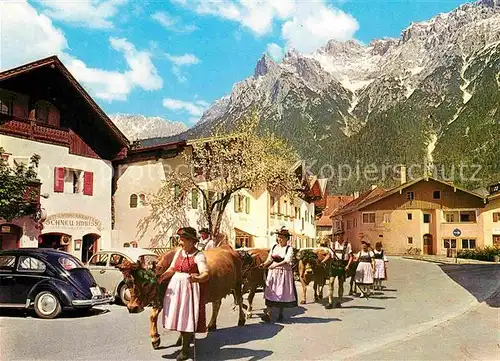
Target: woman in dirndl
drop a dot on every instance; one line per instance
(280, 289)
(365, 270)
(184, 302)
(380, 266)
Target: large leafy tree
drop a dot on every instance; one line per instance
(215, 169)
(18, 188)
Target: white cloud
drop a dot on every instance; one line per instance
(186, 59)
(89, 13)
(275, 51)
(305, 25)
(194, 109)
(171, 23)
(28, 36)
(314, 24)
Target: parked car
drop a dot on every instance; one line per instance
(47, 280)
(103, 264)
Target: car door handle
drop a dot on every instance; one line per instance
(102, 271)
(9, 277)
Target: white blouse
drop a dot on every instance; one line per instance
(277, 250)
(363, 253)
(199, 259)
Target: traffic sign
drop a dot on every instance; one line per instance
(457, 232)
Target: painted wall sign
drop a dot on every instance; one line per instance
(457, 232)
(5, 229)
(73, 220)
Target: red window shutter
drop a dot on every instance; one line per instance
(88, 183)
(58, 180)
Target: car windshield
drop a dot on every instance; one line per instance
(69, 263)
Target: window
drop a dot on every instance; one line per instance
(302, 224)
(99, 260)
(238, 203)
(451, 217)
(30, 264)
(355, 222)
(115, 260)
(449, 243)
(73, 180)
(468, 243)
(410, 196)
(496, 240)
(194, 198)
(368, 217)
(7, 263)
(177, 192)
(436, 195)
(6, 104)
(142, 200)
(409, 216)
(467, 216)
(349, 224)
(297, 212)
(247, 205)
(387, 218)
(496, 217)
(42, 110)
(133, 201)
(410, 240)
(69, 263)
(427, 218)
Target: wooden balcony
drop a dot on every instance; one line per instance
(33, 130)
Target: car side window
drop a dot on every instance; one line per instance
(100, 259)
(30, 264)
(7, 263)
(116, 259)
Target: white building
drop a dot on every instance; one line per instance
(46, 112)
(249, 220)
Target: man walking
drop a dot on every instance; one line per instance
(341, 258)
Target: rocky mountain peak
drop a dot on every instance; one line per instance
(265, 65)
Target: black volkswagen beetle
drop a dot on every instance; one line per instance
(47, 280)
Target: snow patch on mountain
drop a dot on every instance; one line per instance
(137, 127)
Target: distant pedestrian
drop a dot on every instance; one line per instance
(365, 270)
(380, 266)
(206, 241)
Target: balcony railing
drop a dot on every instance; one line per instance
(31, 129)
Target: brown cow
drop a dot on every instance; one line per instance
(311, 270)
(253, 275)
(224, 266)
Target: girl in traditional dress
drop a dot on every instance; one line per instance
(280, 289)
(365, 270)
(184, 302)
(380, 266)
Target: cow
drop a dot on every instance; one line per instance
(225, 269)
(253, 275)
(311, 270)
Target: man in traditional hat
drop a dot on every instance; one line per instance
(341, 256)
(206, 241)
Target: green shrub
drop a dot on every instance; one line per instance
(481, 254)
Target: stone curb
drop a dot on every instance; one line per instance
(450, 261)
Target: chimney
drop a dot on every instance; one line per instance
(402, 174)
(374, 186)
(355, 194)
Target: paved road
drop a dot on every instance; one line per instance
(427, 312)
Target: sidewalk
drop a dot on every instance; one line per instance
(446, 260)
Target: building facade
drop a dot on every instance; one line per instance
(429, 215)
(250, 218)
(324, 226)
(45, 111)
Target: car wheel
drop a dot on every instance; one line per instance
(47, 305)
(124, 295)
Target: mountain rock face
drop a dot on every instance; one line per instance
(429, 100)
(137, 127)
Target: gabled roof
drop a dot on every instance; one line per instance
(359, 202)
(333, 203)
(54, 62)
(415, 181)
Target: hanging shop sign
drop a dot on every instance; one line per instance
(73, 220)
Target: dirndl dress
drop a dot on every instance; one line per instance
(178, 311)
(280, 288)
(379, 265)
(364, 271)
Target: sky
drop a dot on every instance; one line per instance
(173, 58)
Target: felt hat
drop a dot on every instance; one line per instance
(338, 232)
(284, 233)
(188, 232)
(366, 242)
